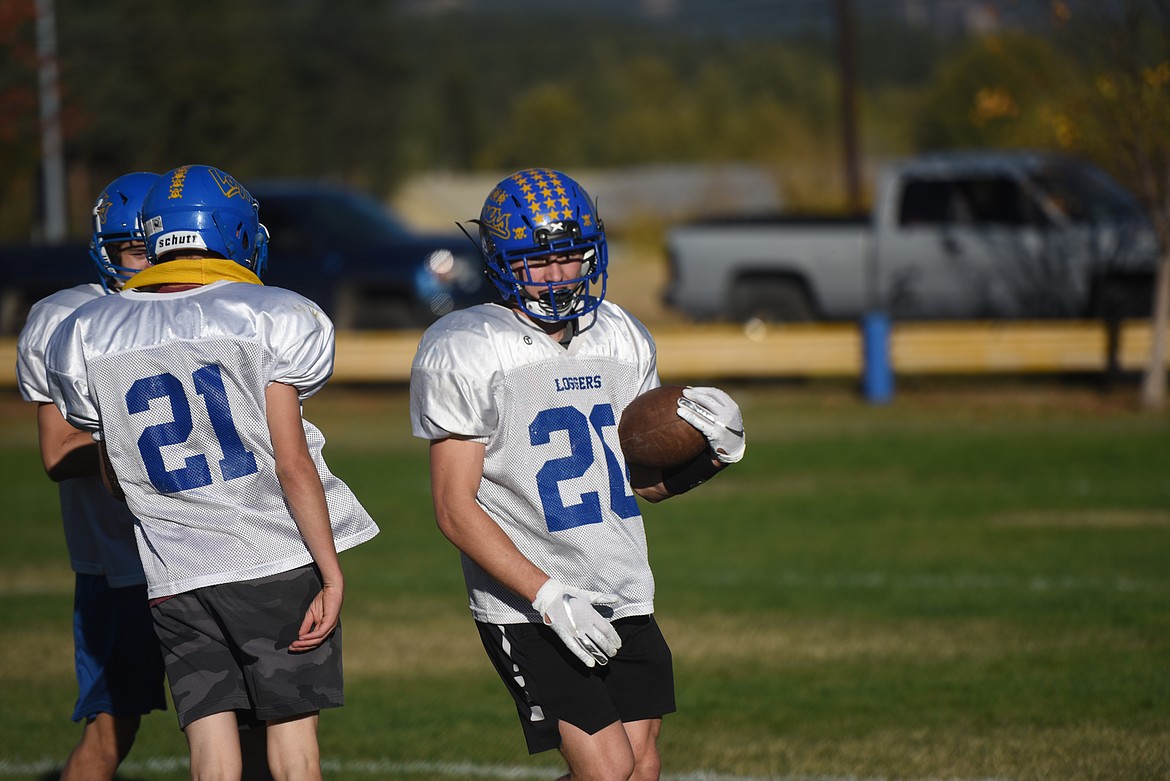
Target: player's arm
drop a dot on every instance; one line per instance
(66, 452)
(717, 416)
(456, 470)
(306, 499)
(654, 485)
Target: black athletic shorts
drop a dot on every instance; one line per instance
(549, 683)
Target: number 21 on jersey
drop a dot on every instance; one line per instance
(237, 461)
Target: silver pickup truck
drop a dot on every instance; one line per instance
(955, 235)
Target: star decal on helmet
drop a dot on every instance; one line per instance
(544, 195)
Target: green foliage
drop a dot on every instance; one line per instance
(1003, 91)
(1123, 106)
(370, 92)
(967, 583)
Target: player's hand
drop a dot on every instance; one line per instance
(320, 620)
(570, 613)
(716, 414)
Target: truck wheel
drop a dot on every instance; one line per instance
(771, 300)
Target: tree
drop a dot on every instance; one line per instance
(1125, 116)
(1016, 91)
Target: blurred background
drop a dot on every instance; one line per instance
(667, 110)
(969, 583)
(389, 94)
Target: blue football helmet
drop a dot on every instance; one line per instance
(535, 213)
(116, 220)
(198, 207)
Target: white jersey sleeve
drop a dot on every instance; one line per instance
(176, 382)
(99, 531)
(453, 380)
(307, 353)
(554, 478)
(43, 319)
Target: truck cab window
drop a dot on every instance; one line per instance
(970, 201)
(1085, 196)
(925, 203)
(995, 200)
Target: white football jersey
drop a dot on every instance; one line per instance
(175, 382)
(554, 477)
(99, 530)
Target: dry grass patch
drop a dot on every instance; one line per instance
(37, 654)
(437, 647)
(44, 579)
(1103, 518)
(723, 640)
(807, 484)
(1080, 753)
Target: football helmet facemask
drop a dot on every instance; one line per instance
(115, 221)
(535, 213)
(198, 207)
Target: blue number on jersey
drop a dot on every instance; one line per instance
(195, 473)
(572, 421)
(236, 461)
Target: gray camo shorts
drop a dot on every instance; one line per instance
(226, 648)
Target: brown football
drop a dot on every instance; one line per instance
(653, 435)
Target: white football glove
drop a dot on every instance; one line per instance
(570, 613)
(716, 414)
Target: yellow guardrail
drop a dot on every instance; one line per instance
(915, 348)
(833, 350)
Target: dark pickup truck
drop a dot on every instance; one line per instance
(339, 247)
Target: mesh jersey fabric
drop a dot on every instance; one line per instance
(99, 530)
(554, 477)
(176, 384)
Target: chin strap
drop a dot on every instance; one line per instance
(569, 332)
(202, 271)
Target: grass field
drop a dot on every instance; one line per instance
(970, 583)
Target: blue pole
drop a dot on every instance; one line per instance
(877, 373)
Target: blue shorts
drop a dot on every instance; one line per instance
(117, 654)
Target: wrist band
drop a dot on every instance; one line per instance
(680, 479)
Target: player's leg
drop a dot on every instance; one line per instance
(640, 681)
(214, 744)
(105, 742)
(293, 754)
(207, 683)
(119, 674)
(606, 755)
(619, 751)
(643, 737)
(286, 690)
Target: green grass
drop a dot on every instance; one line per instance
(970, 583)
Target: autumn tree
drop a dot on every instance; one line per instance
(1124, 118)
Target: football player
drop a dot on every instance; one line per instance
(117, 659)
(520, 402)
(192, 379)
